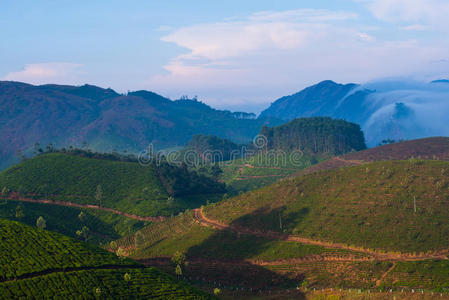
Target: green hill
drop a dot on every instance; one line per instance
(103, 226)
(126, 186)
(370, 206)
(39, 264)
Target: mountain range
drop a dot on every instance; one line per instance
(104, 120)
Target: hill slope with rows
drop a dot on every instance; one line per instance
(392, 205)
(124, 186)
(40, 264)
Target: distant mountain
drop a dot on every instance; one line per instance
(396, 110)
(107, 121)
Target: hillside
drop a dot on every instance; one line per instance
(354, 206)
(108, 121)
(315, 135)
(40, 264)
(428, 148)
(150, 190)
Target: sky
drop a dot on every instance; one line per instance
(238, 55)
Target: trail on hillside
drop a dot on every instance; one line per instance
(71, 269)
(16, 197)
(384, 275)
(205, 221)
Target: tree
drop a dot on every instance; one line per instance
(179, 261)
(41, 223)
(5, 192)
(84, 232)
(99, 194)
(82, 217)
(113, 245)
(127, 277)
(19, 212)
(120, 252)
(139, 239)
(217, 291)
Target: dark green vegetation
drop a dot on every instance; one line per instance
(356, 206)
(28, 250)
(103, 226)
(101, 284)
(316, 135)
(39, 264)
(211, 148)
(108, 121)
(125, 186)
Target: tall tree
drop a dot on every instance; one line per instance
(41, 223)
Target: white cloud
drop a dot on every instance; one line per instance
(433, 12)
(267, 55)
(42, 73)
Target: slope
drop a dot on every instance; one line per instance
(40, 264)
(125, 186)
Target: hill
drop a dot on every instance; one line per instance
(355, 206)
(435, 148)
(40, 264)
(108, 121)
(129, 187)
(315, 135)
(392, 109)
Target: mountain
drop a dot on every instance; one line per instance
(39, 264)
(396, 110)
(107, 121)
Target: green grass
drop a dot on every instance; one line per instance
(104, 226)
(371, 206)
(101, 284)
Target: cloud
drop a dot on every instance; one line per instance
(431, 12)
(42, 73)
(270, 54)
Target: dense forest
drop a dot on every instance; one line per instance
(316, 135)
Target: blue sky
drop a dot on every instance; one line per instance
(236, 55)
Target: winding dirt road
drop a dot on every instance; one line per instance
(16, 197)
(202, 219)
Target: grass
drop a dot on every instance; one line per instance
(370, 206)
(103, 226)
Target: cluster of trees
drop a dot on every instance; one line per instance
(211, 148)
(315, 135)
(180, 181)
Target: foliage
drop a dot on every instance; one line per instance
(41, 223)
(316, 135)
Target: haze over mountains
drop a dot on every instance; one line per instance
(397, 110)
(107, 120)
